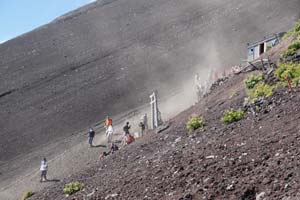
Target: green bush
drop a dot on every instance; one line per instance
(288, 52)
(295, 45)
(73, 187)
(288, 70)
(27, 195)
(297, 27)
(233, 116)
(288, 34)
(195, 123)
(252, 80)
(292, 49)
(260, 90)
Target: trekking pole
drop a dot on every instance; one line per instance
(289, 83)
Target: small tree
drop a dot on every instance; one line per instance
(288, 70)
(252, 80)
(297, 27)
(73, 187)
(233, 116)
(260, 90)
(194, 123)
(292, 49)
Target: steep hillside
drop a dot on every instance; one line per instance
(254, 158)
(105, 58)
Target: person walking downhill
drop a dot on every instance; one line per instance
(108, 122)
(109, 133)
(91, 136)
(145, 121)
(126, 129)
(44, 169)
(127, 137)
(142, 128)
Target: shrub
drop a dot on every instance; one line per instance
(288, 52)
(195, 123)
(288, 34)
(292, 49)
(233, 116)
(72, 187)
(297, 27)
(252, 80)
(290, 70)
(260, 90)
(27, 195)
(295, 46)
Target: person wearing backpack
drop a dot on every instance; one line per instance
(126, 128)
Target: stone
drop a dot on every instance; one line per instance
(230, 187)
(260, 196)
(178, 140)
(187, 197)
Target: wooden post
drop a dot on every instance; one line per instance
(154, 110)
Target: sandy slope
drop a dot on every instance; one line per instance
(257, 156)
(60, 78)
(72, 155)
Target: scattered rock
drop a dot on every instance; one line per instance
(111, 196)
(210, 157)
(186, 197)
(177, 140)
(249, 194)
(260, 196)
(230, 187)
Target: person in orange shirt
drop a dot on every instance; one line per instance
(108, 122)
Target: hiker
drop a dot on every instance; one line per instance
(142, 127)
(91, 136)
(126, 128)
(44, 169)
(128, 139)
(145, 121)
(108, 122)
(109, 133)
(113, 148)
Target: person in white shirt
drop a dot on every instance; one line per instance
(109, 133)
(44, 169)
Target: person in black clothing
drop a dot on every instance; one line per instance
(142, 126)
(114, 148)
(91, 136)
(126, 129)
